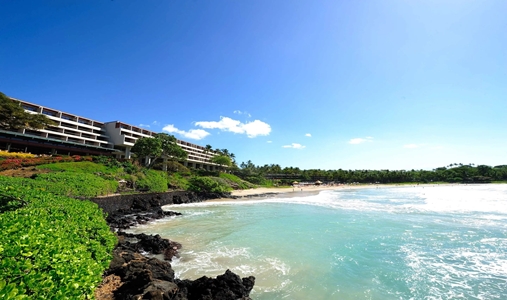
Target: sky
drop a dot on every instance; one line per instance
(387, 84)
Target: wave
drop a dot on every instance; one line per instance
(272, 274)
(453, 199)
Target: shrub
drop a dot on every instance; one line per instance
(5, 154)
(108, 161)
(208, 184)
(52, 247)
(259, 180)
(66, 184)
(236, 182)
(129, 167)
(174, 166)
(176, 181)
(81, 167)
(73, 184)
(14, 163)
(152, 180)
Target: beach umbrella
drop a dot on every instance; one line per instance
(295, 182)
(318, 182)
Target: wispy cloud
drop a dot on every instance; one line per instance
(294, 145)
(239, 112)
(356, 141)
(144, 125)
(194, 134)
(155, 123)
(269, 142)
(251, 129)
(308, 135)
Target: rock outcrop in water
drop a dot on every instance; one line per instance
(132, 275)
(142, 277)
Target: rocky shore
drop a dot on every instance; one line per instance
(135, 272)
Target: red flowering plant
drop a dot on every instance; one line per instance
(14, 163)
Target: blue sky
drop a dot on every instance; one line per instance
(309, 84)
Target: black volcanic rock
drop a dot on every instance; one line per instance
(228, 286)
(145, 277)
(126, 211)
(152, 244)
(151, 278)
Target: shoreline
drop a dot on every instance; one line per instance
(305, 191)
(136, 272)
(128, 257)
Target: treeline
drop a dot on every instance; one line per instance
(468, 173)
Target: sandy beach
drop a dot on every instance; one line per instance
(284, 190)
(287, 192)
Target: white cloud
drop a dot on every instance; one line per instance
(269, 142)
(411, 146)
(251, 129)
(294, 145)
(195, 134)
(356, 141)
(308, 135)
(144, 125)
(170, 128)
(155, 123)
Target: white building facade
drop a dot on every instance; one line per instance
(75, 134)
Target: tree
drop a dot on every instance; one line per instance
(14, 117)
(170, 148)
(225, 152)
(160, 146)
(208, 148)
(222, 160)
(484, 170)
(148, 148)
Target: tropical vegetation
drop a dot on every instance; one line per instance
(14, 117)
(150, 149)
(456, 172)
(52, 246)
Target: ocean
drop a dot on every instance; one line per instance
(410, 242)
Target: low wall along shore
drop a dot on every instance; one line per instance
(147, 201)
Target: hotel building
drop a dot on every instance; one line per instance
(76, 135)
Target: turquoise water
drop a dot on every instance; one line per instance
(433, 242)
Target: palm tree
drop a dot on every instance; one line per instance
(207, 150)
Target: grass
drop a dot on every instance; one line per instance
(81, 167)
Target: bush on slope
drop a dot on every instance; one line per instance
(51, 246)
